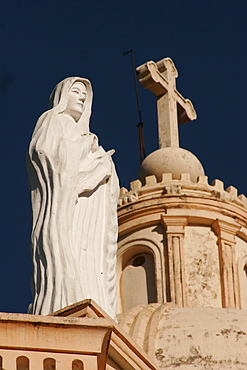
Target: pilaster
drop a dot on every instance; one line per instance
(174, 226)
(226, 233)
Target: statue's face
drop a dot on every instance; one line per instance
(76, 99)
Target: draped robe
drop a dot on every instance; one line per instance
(74, 201)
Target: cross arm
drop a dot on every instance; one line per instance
(159, 78)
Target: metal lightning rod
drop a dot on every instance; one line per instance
(140, 124)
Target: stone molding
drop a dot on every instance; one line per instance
(184, 186)
(40, 337)
(226, 230)
(138, 245)
(123, 352)
(200, 202)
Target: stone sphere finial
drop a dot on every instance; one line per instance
(170, 160)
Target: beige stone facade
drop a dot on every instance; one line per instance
(196, 234)
(79, 337)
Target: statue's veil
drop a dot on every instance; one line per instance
(58, 103)
(59, 98)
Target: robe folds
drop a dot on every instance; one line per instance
(74, 192)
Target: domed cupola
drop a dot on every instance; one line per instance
(182, 250)
(181, 239)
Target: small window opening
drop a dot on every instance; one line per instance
(22, 363)
(77, 365)
(245, 269)
(139, 261)
(49, 364)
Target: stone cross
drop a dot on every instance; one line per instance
(172, 107)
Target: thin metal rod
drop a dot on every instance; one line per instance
(140, 124)
(136, 86)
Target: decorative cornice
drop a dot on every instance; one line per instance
(174, 224)
(225, 230)
(169, 187)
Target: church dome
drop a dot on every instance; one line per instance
(171, 160)
(210, 338)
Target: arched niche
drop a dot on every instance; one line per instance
(140, 274)
(49, 364)
(77, 365)
(22, 363)
(242, 274)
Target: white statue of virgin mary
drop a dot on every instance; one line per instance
(74, 193)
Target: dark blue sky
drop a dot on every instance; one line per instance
(43, 42)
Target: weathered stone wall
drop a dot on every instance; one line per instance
(189, 338)
(205, 338)
(201, 267)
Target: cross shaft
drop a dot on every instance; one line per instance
(173, 108)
